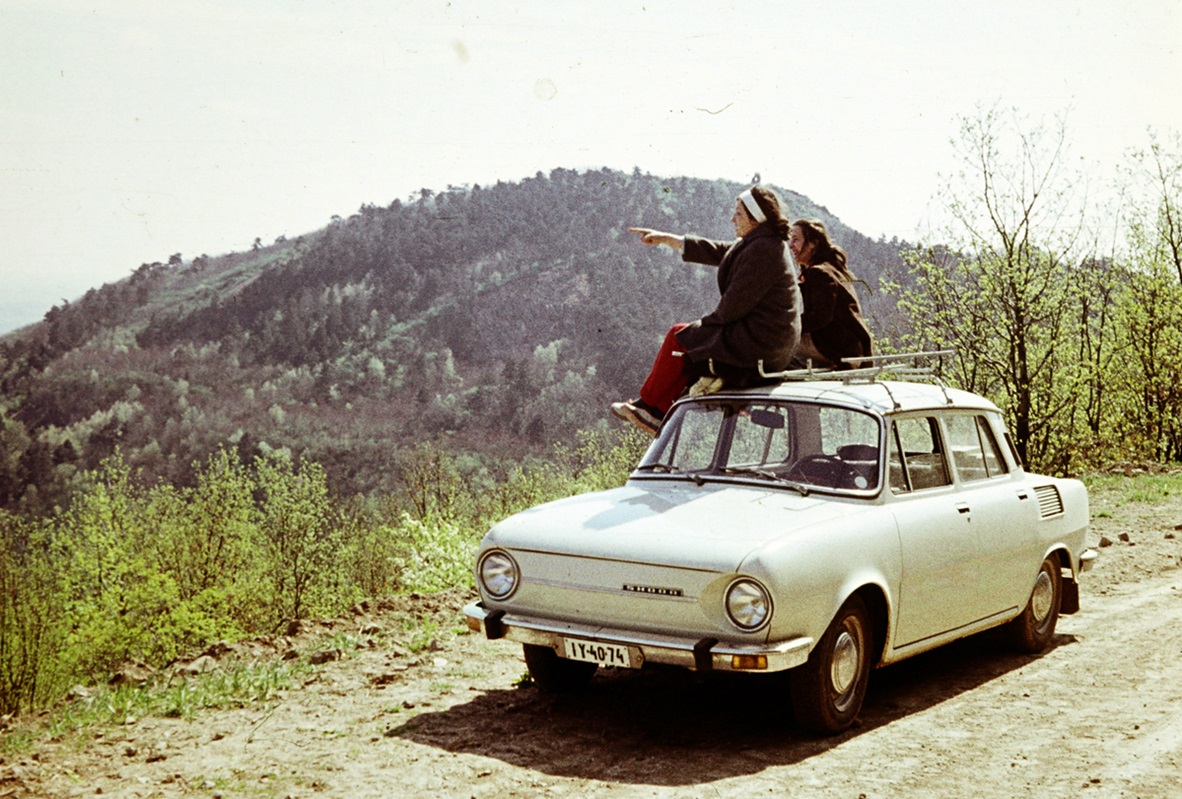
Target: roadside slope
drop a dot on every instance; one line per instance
(1098, 715)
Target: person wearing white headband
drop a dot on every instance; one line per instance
(752, 206)
(755, 323)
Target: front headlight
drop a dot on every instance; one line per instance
(748, 604)
(498, 573)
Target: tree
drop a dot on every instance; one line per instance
(301, 538)
(1150, 303)
(1160, 170)
(1007, 295)
(31, 628)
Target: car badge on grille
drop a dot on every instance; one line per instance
(653, 589)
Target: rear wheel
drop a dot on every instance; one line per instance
(1033, 630)
(553, 674)
(828, 690)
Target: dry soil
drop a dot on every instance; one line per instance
(1097, 715)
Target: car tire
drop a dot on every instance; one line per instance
(553, 674)
(827, 691)
(1033, 630)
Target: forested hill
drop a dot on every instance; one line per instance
(488, 320)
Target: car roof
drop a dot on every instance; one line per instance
(882, 396)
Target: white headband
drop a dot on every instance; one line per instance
(752, 206)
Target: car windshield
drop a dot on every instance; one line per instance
(803, 445)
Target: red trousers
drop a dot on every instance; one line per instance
(666, 380)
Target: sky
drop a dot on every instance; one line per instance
(131, 130)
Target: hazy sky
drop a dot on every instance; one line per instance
(131, 130)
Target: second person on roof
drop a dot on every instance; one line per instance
(832, 326)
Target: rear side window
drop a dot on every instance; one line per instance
(974, 448)
(1014, 450)
(917, 456)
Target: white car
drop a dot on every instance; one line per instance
(821, 527)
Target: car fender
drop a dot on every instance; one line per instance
(1069, 529)
(812, 573)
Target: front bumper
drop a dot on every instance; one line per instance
(707, 654)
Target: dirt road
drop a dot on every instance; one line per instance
(1098, 715)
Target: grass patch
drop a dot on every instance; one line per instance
(236, 685)
(417, 634)
(1115, 490)
(346, 642)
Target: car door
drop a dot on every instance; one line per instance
(1001, 511)
(941, 551)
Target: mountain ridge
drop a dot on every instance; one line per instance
(493, 321)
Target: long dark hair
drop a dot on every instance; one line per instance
(824, 250)
(773, 208)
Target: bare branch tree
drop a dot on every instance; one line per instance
(1006, 291)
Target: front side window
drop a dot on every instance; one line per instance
(805, 444)
(917, 456)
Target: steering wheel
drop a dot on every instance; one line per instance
(826, 470)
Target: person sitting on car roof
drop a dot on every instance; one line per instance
(832, 326)
(757, 318)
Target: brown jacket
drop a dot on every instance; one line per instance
(758, 312)
(833, 315)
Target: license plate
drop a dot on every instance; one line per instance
(596, 652)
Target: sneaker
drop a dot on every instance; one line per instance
(640, 414)
(648, 412)
(705, 386)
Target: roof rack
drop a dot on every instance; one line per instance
(905, 365)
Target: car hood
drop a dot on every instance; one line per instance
(672, 523)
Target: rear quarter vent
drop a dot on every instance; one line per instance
(1050, 503)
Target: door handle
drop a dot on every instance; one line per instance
(962, 507)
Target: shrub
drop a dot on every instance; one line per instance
(300, 538)
(31, 619)
(437, 557)
(150, 573)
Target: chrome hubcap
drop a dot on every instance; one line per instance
(844, 671)
(1040, 600)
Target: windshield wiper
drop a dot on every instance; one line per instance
(670, 469)
(767, 474)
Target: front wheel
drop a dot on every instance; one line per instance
(828, 690)
(1033, 630)
(553, 674)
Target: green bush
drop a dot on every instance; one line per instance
(209, 542)
(31, 617)
(151, 573)
(437, 557)
(301, 541)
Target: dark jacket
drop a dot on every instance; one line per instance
(758, 312)
(832, 314)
